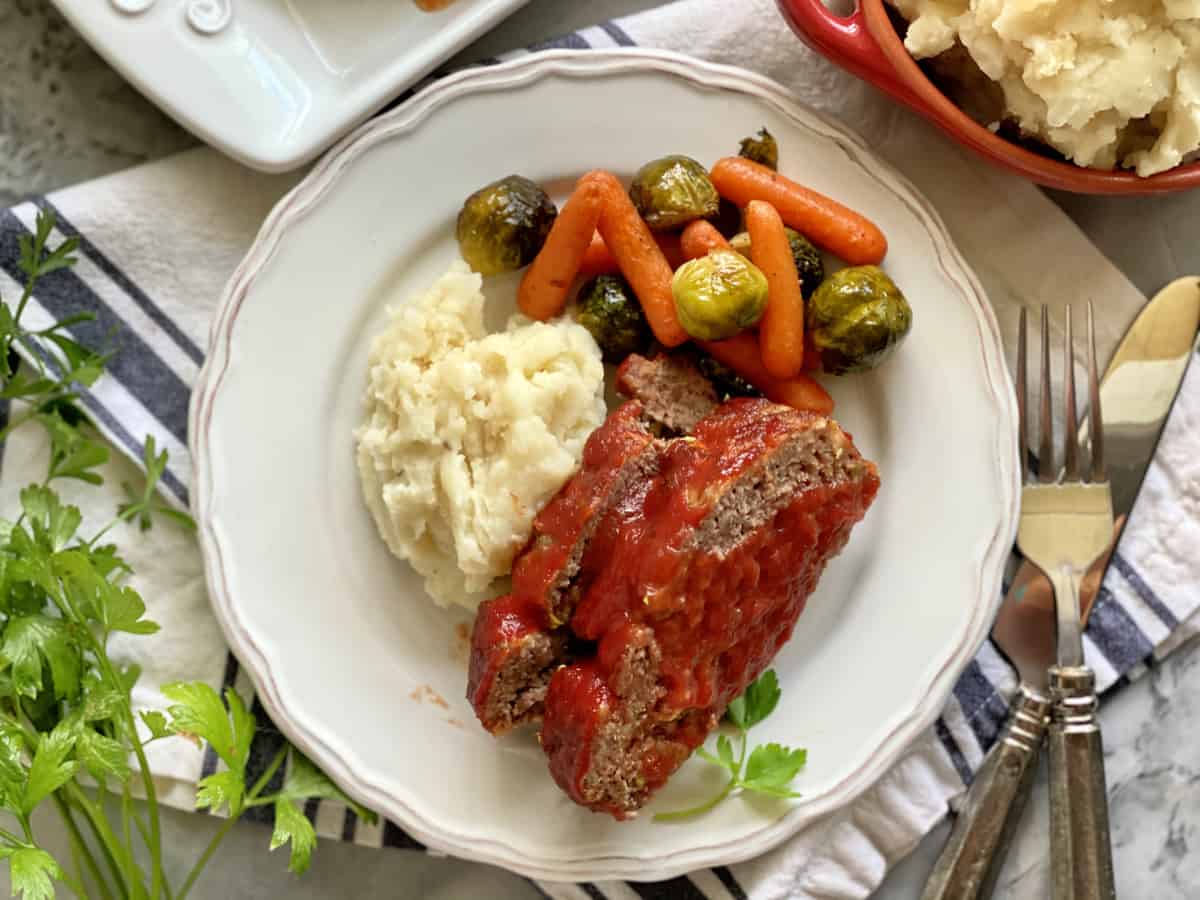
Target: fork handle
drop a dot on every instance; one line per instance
(975, 852)
(1079, 834)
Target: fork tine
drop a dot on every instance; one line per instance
(1071, 423)
(1022, 396)
(1046, 423)
(1095, 419)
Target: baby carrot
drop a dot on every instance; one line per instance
(825, 222)
(742, 354)
(543, 291)
(699, 237)
(670, 244)
(641, 259)
(597, 260)
(781, 330)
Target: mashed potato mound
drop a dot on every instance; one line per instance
(467, 435)
(1102, 81)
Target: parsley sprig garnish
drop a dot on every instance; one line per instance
(770, 769)
(68, 733)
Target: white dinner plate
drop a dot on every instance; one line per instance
(274, 82)
(359, 668)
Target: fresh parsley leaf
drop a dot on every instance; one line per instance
(198, 710)
(73, 353)
(771, 768)
(101, 700)
(24, 386)
(27, 641)
(144, 505)
(756, 703)
(724, 757)
(72, 455)
(225, 788)
(32, 872)
(116, 607)
(50, 768)
(35, 261)
(304, 781)
(102, 756)
(156, 723)
(53, 523)
(12, 764)
(292, 825)
(106, 561)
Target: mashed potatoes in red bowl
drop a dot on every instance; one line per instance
(1093, 97)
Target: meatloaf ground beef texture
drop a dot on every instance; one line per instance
(662, 580)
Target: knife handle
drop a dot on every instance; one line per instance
(1079, 840)
(973, 855)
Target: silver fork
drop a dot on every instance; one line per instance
(1066, 523)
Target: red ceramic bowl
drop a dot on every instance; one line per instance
(866, 44)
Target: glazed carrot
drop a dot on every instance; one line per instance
(598, 260)
(742, 354)
(699, 237)
(825, 222)
(781, 330)
(543, 291)
(671, 244)
(641, 260)
(812, 356)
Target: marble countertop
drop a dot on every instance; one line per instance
(65, 116)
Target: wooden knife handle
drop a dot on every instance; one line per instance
(973, 855)
(1080, 851)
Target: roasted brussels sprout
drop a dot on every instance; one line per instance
(607, 308)
(761, 149)
(718, 295)
(727, 382)
(502, 227)
(673, 191)
(857, 317)
(809, 265)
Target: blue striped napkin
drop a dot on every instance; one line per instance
(158, 242)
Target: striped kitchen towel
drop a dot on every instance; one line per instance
(158, 242)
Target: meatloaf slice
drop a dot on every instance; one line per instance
(513, 654)
(703, 584)
(670, 388)
(518, 639)
(617, 454)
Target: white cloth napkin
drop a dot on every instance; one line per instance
(163, 238)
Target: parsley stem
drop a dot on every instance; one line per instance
(81, 848)
(735, 779)
(156, 877)
(117, 856)
(251, 800)
(266, 776)
(702, 808)
(25, 295)
(205, 857)
(11, 838)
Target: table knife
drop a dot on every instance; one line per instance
(1136, 394)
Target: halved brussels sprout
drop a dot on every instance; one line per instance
(761, 149)
(607, 308)
(809, 265)
(857, 317)
(502, 227)
(673, 191)
(718, 295)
